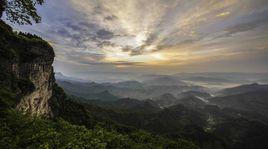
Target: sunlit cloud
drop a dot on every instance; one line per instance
(223, 14)
(152, 33)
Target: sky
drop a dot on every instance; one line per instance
(155, 36)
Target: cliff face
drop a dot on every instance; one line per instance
(26, 69)
(37, 101)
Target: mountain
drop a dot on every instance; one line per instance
(192, 102)
(222, 77)
(164, 81)
(207, 79)
(253, 101)
(127, 89)
(123, 104)
(83, 88)
(188, 98)
(102, 96)
(165, 100)
(136, 105)
(202, 126)
(62, 77)
(243, 89)
(198, 94)
(265, 81)
(129, 84)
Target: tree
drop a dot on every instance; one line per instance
(20, 11)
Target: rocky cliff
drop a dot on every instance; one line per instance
(26, 70)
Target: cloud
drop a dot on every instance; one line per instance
(106, 44)
(223, 14)
(110, 18)
(116, 63)
(248, 23)
(104, 34)
(129, 32)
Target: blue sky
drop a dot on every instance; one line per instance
(155, 36)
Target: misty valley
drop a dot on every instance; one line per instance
(172, 106)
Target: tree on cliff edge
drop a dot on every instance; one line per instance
(20, 11)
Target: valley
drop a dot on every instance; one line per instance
(181, 110)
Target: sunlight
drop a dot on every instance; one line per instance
(140, 39)
(158, 56)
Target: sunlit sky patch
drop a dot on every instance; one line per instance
(157, 36)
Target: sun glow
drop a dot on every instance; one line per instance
(158, 56)
(140, 39)
(115, 55)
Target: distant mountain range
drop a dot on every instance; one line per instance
(129, 89)
(243, 89)
(129, 84)
(188, 98)
(165, 81)
(167, 92)
(172, 107)
(60, 76)
(207, 79)
(224, 77)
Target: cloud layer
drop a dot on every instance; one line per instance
(163, 35)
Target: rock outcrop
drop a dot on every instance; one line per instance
(37, 101)
(26, 69)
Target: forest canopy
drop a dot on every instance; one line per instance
(20, 11)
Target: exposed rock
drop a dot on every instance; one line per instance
(26, 68)
(42, 78)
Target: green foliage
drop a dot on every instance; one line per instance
(22, 131)
(22, 47)
(21, 11)
(25, 85)
(7, 98)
